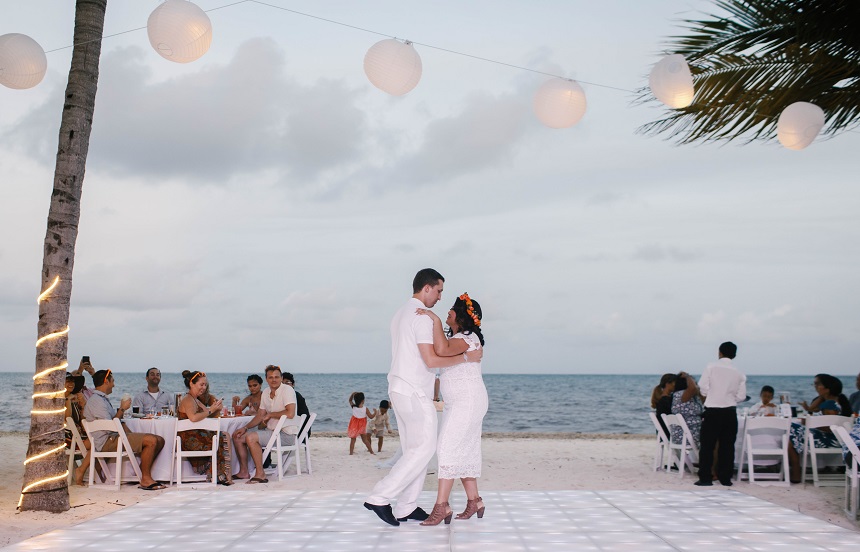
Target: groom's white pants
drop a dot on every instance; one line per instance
(416, 422)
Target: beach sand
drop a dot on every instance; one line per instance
(511, 462)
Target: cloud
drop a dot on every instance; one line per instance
(781, 324)
(658, 253)
(220, 122)
(140, 285)
(483, 134)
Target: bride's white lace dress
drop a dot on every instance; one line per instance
(459, 444)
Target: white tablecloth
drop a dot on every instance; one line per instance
(166, 428)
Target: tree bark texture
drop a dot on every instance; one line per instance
(46, 430)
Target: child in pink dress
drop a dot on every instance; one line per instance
(358, 422)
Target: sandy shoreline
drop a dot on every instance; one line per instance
(511, 462)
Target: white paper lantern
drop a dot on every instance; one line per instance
(179, 31)
(22, 61)
(799, 124)
(560, 103)
(671, 81)
(393, 66)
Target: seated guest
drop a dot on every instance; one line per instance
(828, 386)
(765, 407)
(85, 365)
(192, 408)
(687, 402)
(152, 399)
(146, 445)
(250, 404)
(854, 398)
(661, 398)
(301, 405)
(75, 403)
(277, 400)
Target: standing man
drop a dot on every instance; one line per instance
(724, 387)
(152, 398)
(410, 389)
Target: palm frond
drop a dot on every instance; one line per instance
(760, 57)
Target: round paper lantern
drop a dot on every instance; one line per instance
(671, 81)
(22, 61)
(799, 124)
(393, 66)
(179, 31)
(560, 103)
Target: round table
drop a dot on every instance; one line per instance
(166, 428)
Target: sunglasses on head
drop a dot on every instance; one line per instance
(197, 375)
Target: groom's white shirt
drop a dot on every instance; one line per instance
(408, 372)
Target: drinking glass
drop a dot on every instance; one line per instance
(165, 411)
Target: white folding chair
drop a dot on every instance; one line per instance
(811, 452)
(77, 447)
(302, 442)
(123, 451)
(285, 452)
(852, 482)
(686, 449)
(662, 443)
(180, 456)
(767, 437)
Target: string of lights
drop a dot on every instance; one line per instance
(28, 489)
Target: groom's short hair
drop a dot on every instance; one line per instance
(425, 277)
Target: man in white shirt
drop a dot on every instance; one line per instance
(724, 387)
(277, 400)
(152, 398)
(410, 390)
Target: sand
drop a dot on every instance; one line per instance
(511, 462)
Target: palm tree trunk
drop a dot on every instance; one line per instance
(43, 489)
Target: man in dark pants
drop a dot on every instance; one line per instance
(724, 387)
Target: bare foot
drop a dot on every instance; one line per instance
(242, 475)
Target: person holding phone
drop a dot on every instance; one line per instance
(84, 366)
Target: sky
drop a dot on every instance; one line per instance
(266, 204)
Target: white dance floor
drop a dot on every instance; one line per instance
(262, 520)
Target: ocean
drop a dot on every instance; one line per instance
(519, 403)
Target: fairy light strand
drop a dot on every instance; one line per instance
(47, 394)
(47, 371)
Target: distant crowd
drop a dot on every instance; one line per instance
(715, 397)
(266, 406)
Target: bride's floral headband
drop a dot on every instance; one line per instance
(470, 309)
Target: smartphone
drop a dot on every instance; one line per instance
(85, 358)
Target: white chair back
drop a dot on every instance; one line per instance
(852, 480)
(180, 456)
(682, 454)
(77, 447)
(662, 442)
(123, 451)
(285, 453)
(303, 442)
(766, 437)
(812, 453)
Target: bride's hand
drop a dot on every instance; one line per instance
(426, 312)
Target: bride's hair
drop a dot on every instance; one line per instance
(469, 322)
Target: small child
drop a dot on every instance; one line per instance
(380, 424)
(765, 407)
(358, 422)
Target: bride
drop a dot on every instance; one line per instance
(459, 444)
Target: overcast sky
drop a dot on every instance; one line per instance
(266, 204)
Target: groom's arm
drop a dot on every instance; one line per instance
(432, 360)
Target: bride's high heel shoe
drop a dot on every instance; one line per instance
(440, 511)
(472, 508)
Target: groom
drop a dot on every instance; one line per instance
(410, 388)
